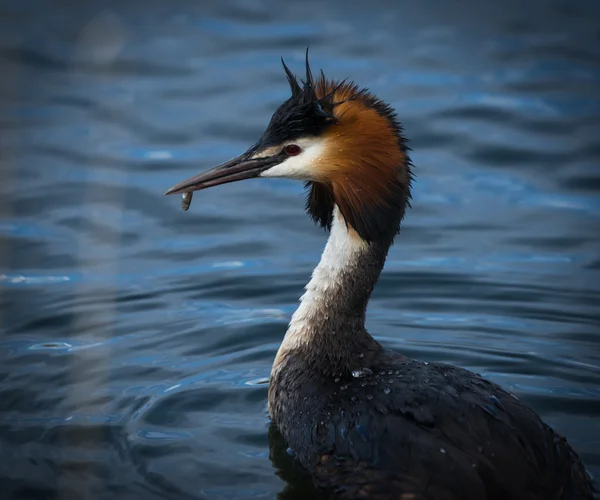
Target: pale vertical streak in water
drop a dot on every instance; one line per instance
(8, 157)
(99, 42)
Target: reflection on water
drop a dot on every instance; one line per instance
(137, 339)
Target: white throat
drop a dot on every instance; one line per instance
(340, 254)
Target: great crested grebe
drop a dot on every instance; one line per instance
(364, 421)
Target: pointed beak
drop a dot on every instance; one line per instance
(237, 169)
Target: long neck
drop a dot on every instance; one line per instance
(328, 328)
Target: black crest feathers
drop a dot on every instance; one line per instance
(302, 115)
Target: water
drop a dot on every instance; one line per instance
(137, 339)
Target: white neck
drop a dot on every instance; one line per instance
(340, 256)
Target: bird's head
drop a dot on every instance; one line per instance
(343, 142)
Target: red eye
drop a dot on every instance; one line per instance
(293, 150)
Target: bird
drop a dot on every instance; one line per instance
(366, 422)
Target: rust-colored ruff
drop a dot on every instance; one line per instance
(364, 163)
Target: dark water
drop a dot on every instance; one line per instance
(136, 339)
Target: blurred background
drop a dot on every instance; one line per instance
(136, 340)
